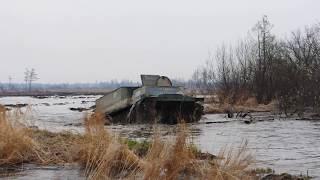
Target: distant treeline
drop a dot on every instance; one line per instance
(113, 84)
(267, 67)
(65, 86)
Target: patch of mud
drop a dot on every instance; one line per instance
(41, 97)
(79, 109)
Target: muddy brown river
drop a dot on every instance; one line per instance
(283, 144)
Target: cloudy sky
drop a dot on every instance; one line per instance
(98, 40)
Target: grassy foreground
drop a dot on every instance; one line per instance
(103, 156)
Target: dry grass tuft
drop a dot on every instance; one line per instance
(251, 102)
(250, 105)
(102, 156)
(178, 160)
(58, 148)
(16, 143)
(94, 123)
(232, 164)
(170, 160)
(21, 144)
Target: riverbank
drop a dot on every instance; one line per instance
(245, 107)
(212, 106)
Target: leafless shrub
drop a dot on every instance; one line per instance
(267, 67)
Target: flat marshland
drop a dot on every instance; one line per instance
(103, 156)
(55, 136)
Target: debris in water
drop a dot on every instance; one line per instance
(16, 105)
(79, 109)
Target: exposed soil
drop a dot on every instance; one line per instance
(214, 108)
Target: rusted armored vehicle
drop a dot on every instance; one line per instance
(156, 101)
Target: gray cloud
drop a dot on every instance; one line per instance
(85, 41)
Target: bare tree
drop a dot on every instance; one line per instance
(302, 55)
(26, 78)
(204, 77)
(1, 87)
(266, 44)
(267, 67)
(29, 77)
(10, 85)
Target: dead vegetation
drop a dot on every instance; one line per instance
(101, 155)
(104, 156)
(245, 105)
(167, 160)
(16, 143)
(267, 67)
(232, 163)
(57, 148)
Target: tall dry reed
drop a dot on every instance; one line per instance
(16, 143)
(102, 156)
(232, 163)
(167, 160)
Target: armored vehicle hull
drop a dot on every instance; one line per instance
(150, 103)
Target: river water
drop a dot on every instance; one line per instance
(283, 144)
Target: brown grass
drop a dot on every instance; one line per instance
(249, 104)
(232, 163)
(103, 156)
(16, 144)
(170, 160)
(57, 148)
(178, 160)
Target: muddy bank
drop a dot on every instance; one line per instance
(214, 108)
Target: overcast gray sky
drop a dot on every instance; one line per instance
(93, 40)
